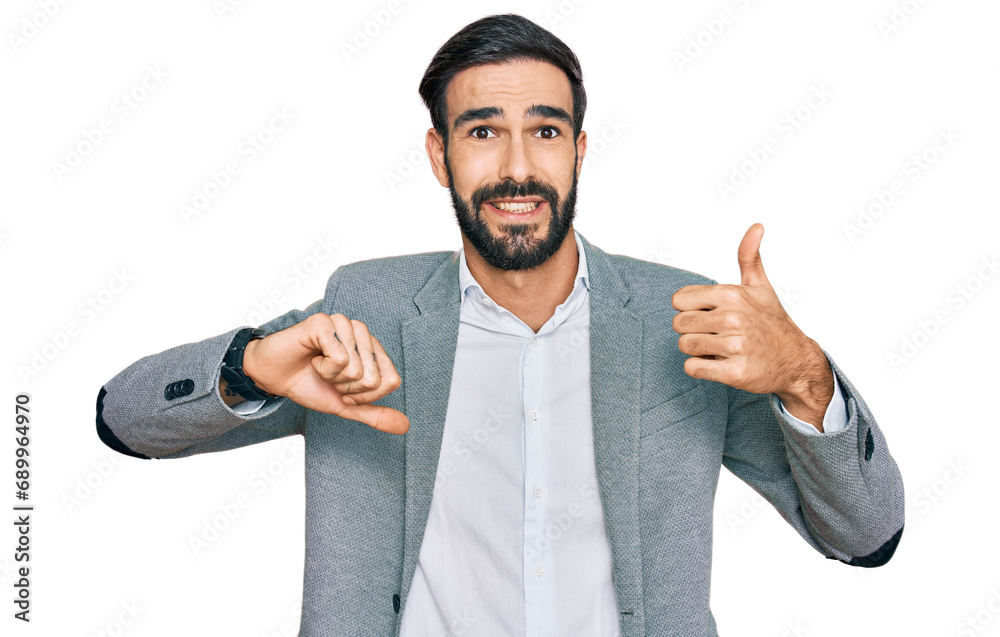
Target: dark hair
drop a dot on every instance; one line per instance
(497, 39)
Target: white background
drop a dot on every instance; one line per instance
(111, 532)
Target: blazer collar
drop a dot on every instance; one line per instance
(442, 288)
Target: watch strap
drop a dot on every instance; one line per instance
(232, 366)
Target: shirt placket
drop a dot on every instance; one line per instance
(537, 568)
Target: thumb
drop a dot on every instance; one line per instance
(751, 266)
(378, 417)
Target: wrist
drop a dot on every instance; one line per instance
(249, 363)
(811, 389)
(233, 369)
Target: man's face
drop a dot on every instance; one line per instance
(511, 162)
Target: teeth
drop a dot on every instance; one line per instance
(516, 207)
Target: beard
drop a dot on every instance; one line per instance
(516, 247)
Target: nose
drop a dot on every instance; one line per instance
(515, 162)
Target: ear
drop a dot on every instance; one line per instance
(581, 150)
(435, 151)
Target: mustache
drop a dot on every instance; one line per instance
(505, 189)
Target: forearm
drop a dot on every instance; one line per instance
(851, 490)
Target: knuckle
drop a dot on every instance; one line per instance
(733, 319)
(683, 342)
(341, 358)
(734, 345)
(739, 370)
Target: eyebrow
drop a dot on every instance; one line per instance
(535, 110)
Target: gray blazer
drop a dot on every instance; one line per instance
(660, 437)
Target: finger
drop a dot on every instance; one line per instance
(371, 377)
(711, 345)
(390, 379)
(748, 255)
(334, 356)
(344, 333)
(703, 297)
(705, 369)
(377, 416)
(717, 321)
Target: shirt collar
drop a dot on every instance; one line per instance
(467, 281)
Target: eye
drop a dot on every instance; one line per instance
(548, 132)
(482, 132)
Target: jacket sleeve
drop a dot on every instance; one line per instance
(841, 491)
(168, 405)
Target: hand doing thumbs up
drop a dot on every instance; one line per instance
(741, 336)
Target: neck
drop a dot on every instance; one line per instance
(532, 295)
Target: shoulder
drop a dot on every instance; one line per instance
(650, 283)
(394, 277)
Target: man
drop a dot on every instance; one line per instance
(565, 411)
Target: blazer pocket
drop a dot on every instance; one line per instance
(673, 410)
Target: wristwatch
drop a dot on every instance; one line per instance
(232, 366)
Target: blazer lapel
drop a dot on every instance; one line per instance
(429, 342)
(615, 383)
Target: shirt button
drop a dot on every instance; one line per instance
(533, 414)
(538, 492)
(535, 342)
(539, 570)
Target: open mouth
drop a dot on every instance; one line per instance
(516, 207)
